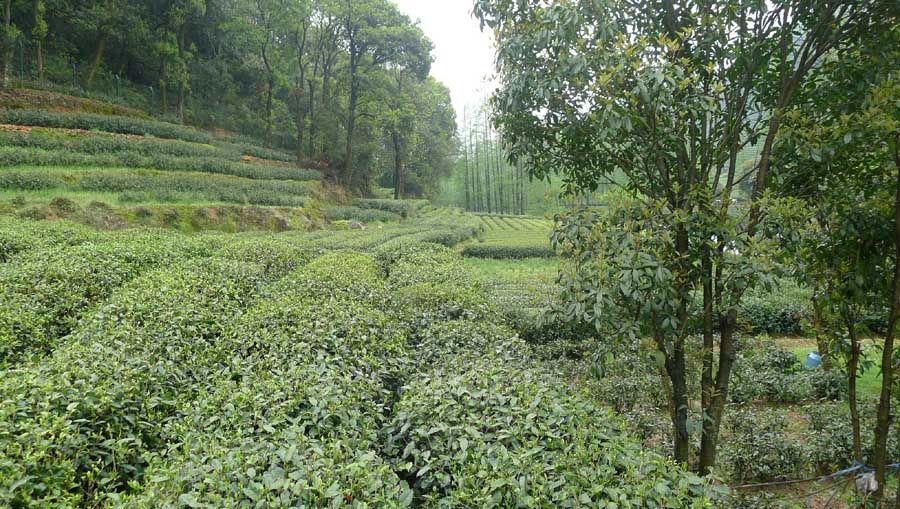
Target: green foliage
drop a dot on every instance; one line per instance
(366, 215)
(785, 310)
(102, 401)
(10, 156)
(18, 236)
(46, 292)
(403, 208)
(105, 123)
(136, 186)
(759, 448)
(508, 437)
(290, 370)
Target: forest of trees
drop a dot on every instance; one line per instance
(344, 83)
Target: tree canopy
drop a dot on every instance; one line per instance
(333, 80)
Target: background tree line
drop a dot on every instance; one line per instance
(343, 83)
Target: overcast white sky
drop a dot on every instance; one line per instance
(463, 55)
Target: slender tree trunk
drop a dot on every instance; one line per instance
(487, 169)
(6, 44)
(398, 165)
(163, 87)
(351, 117)
(310, 149)
(852, 368)
(884, 418)
(709, 439)
(818, 319)
(98, 58)
(466, 174)
(39, 54)
(707, 389)
(182, 79)
(675, 368)
(476, 186)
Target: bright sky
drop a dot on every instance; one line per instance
(464, 56)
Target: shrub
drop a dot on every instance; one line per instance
(83, 421)
(781, 311)
(306, 397)
(38, 157)
(144, 186)
(17, 236)
(358, 214)
(107, 123)
(46, 292)
(403, 208)
(510, 436)
(757, 447)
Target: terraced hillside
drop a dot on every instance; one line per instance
(324, 369)
(119, 168)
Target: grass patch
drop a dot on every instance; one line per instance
(868, 383)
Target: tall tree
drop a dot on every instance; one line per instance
(839, 152)
(667, 93)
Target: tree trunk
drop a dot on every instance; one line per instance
(398, 165)
(675, 368)
(300, 121)
(818, 319)
(39, 54)
(351, 115)
(884, 418)
(311, 149)
(163, 87)
(709, 439)
(487, 170)
(182, 78)
(6, 45)
(466, 174)
(98, 58)
(707, 389)
(852, 368)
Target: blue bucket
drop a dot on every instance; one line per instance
(813, 360)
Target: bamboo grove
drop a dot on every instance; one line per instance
(492, 184)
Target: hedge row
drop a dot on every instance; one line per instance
(358, 214)
(17, 236)
(304, 416)
(353, 381)
(506, 252)
(46, 292)
(403, 208)
(102, 143)
(105, 123)
(10, 156)
(144, 186)
(81, 424)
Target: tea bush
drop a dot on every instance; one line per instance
(82, 421)
(403, 208)
(506, 435)
(10, 156)
(148, 186)
(17, 236)
(782, 311)
(293, 370)
(758, 447)
(359, 214)
(46, 292)
(106, 123)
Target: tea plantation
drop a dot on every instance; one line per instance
(324, 369)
